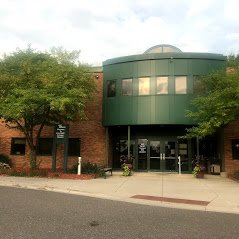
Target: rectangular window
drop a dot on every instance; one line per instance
(162, 85)
(235, 149)
(111, 88)
(18, 146)
(198, 87)
(45, 146)
(74, 147)
(127, 87)
(144, 86)
(180, 85)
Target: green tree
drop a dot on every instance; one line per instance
(42, 89)
(219, 105)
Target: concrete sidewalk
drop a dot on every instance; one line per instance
(213, 193)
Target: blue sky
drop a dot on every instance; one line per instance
(104, 29)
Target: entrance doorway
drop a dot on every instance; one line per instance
(158, 155)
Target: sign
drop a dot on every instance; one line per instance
(61, 133)
(142, 148)
(60, 137)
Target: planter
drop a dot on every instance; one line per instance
(200, 174)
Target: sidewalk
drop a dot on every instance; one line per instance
(213, 193)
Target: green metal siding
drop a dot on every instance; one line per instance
(154, 109)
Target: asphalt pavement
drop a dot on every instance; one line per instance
(212, 193)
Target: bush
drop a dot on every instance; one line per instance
(236, 175)
(74, 169)
(31, 173)
(5, 159)
(89, 168)
(86, 168)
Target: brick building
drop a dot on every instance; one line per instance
(139, 110)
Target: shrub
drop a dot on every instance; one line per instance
(74, 169)
(5, 159)
(236, 175)
(85, 168)
(89, 168)
(31, 173)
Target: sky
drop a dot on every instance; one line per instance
(104, 29)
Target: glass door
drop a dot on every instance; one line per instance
(169, 156)
(155, 160)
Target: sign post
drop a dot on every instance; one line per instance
(61, 136)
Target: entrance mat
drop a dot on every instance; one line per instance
(173, 200)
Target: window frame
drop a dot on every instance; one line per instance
(158, 78)
(140, 90)
(186, 85)
(111, 92)
(77, 153)
(235, 149)
(131, 87)
(13, 145)
(48, 153)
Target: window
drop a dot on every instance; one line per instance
(18, 146)
(45, 146)
(111, 88)
(180, 85)
(127, 87)
(198, 87)
(162, 85)
(235, 149)
(74, 147)
(144, 86)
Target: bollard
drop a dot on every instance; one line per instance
(79, 166)
(179, 164)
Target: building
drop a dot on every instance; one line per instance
(145, 98)
(139, 110)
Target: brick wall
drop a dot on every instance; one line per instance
(230, 132)
(90, 131)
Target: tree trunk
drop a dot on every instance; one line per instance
(33, 159)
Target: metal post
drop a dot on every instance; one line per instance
(79, 166)
(106, 147)
(179, 165)
(198, 149)
(128, 141)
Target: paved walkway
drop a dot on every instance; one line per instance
(213, 193)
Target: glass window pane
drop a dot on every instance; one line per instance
(111, 88)
(181, 85)
(235, 149)
(127, 87)
(162, 85)
(144, 86)
(18, 146)
(45, 146)
(74, 147)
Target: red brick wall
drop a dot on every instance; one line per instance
(230, 132)
(90, 131)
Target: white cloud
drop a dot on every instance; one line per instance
(106, 29)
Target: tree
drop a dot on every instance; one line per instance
(42, 89)
(219, 105)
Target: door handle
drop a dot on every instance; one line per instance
(163, 156)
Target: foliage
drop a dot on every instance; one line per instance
(198, 168)
(5, 159)
(233, 60)
(89, 167)
(39, 89)
(219, 106)
(25, 173)
(236, 175)
(126, 170)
